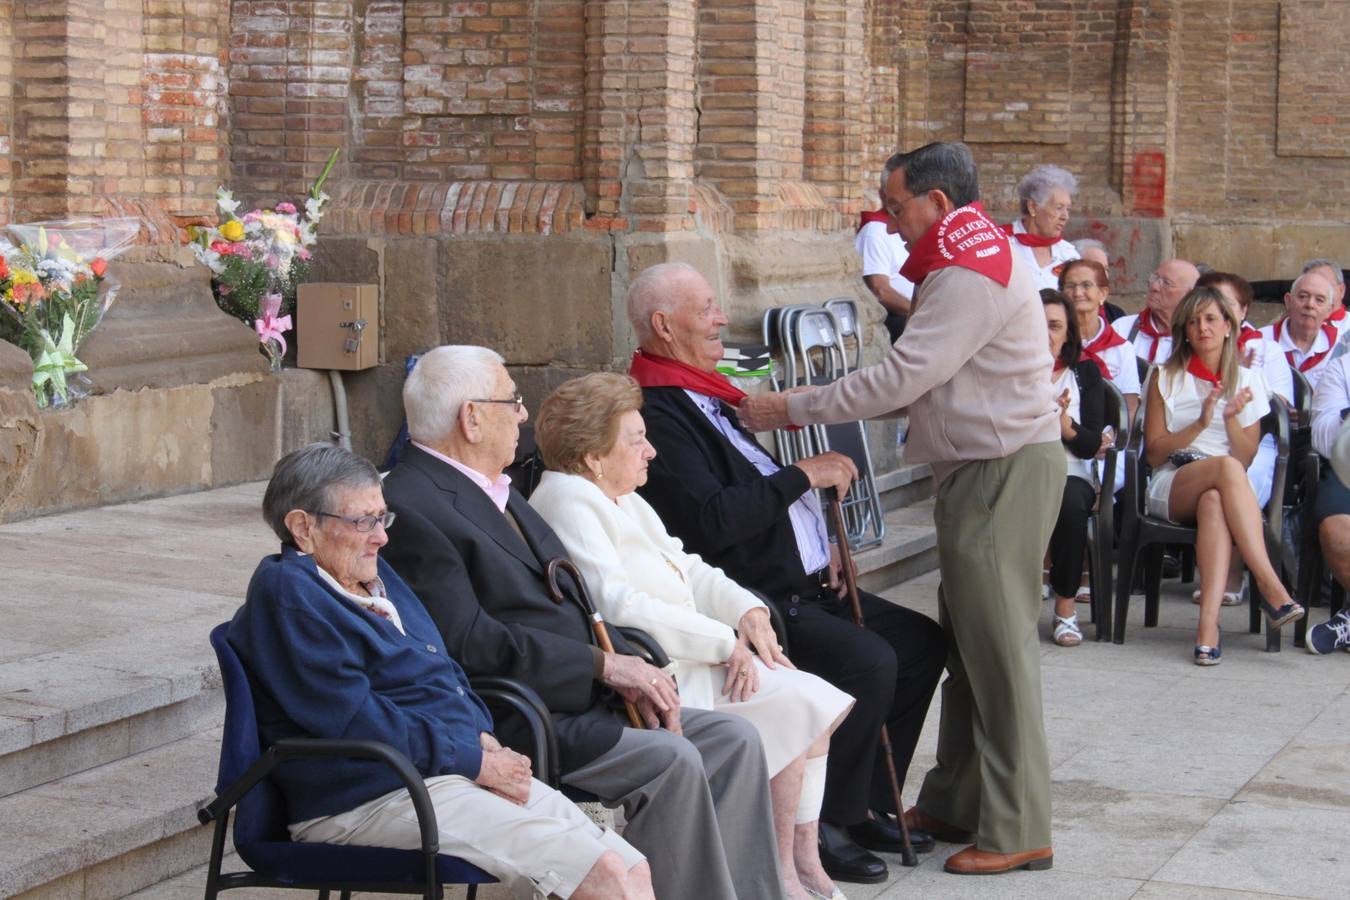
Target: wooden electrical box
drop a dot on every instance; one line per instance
(338, 326)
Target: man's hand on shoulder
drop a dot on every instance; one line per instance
(829, 470)
(766, 411)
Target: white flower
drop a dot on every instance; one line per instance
(307, 236)
(314, 207)
(225, 200)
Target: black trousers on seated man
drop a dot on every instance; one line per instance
(891, 667)
(723, 507)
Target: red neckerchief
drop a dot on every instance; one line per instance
(873, 215)
(1248, 335)
(1026, 239)
(1107, 337)
(965, 237)
(1060, 366)
(1315, 359)
(1147, 327)
(1337, 314)
(662, 371)
(1198, 368)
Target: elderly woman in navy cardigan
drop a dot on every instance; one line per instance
(337, 646)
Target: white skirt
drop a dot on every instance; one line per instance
(790, 710)
(1159, 490)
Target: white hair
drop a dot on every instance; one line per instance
(1090, 244)
(651, 292)
(443, 380)
(1040, 181)
(1293, 288)
(1326, 264)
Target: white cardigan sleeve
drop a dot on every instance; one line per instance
(593, 530)
(715, 594)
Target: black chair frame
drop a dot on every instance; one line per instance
(1102, 524)
(1142, 536)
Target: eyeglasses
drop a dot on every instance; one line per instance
(1155, 278)
(363, 524)
(516, 400)
(1073, 286)
(893, 205)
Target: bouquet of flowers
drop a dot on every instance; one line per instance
(54, 288)
(258, 259)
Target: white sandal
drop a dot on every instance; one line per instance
(1230, 598)
(1084, 595)
(1067, 633)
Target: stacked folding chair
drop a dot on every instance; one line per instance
(817, 345)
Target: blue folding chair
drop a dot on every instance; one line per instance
(260, 834)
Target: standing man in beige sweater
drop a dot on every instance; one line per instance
(973, 370)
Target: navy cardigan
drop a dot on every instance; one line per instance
(321, 667)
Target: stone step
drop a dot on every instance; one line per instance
(112, 830)
(905, 485)
(909, 550)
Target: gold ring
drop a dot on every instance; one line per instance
(745, 671)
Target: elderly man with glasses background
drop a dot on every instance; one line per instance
(1151, 330)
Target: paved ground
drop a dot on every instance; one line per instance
(1170, 780)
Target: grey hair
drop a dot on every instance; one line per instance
(1090, 244)
(650, 293)
(947, 166)
(307, 479)
(1293, 287)
(1040, 181)
(443, 380)
(1320, 263)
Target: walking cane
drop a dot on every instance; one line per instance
(851, 582)
(597, 622)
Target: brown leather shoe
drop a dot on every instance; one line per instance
(917, 818)
(974, 861)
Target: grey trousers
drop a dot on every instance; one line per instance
(697, 806)
(992, 776)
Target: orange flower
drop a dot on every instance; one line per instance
(98, 266)
(4, 269)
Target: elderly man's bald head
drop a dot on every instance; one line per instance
(1170, 282)
(674, 314)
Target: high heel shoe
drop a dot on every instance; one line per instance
(1210, 656)
(1290, 612)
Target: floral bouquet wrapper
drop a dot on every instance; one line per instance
(54, 290)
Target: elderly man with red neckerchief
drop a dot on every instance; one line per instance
(972, 369)
(1151, 330)
(1333, 273)
(1304, 334)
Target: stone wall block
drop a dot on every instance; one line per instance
(534, 301)
(245, 444)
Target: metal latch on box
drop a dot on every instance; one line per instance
(352, 343)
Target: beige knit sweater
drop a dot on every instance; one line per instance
(973, 367)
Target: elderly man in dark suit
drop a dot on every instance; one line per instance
(695, 790)
(733, 504)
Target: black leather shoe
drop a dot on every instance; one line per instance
(883, 835)
(844, 860)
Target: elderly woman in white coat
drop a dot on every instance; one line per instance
(592, 437)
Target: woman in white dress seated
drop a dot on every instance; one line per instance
(1201, 428)
(592, 437)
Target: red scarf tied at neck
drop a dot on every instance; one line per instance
(965, 237)
(1106, 338)
(1027, 239)
(1248, 335)
(1313, 359)
(662, 371)
(873, 215)
(1198, 368)
(1147, 326)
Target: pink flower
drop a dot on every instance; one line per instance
(285, 207)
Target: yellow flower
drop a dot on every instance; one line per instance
(232, 230)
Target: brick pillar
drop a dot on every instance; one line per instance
(6, 112)
(637, 159)
(1142, 104)
(751, 103)
(835, 85)
(291, 68)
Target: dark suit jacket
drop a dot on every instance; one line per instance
(485, 588)
(714, 500)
